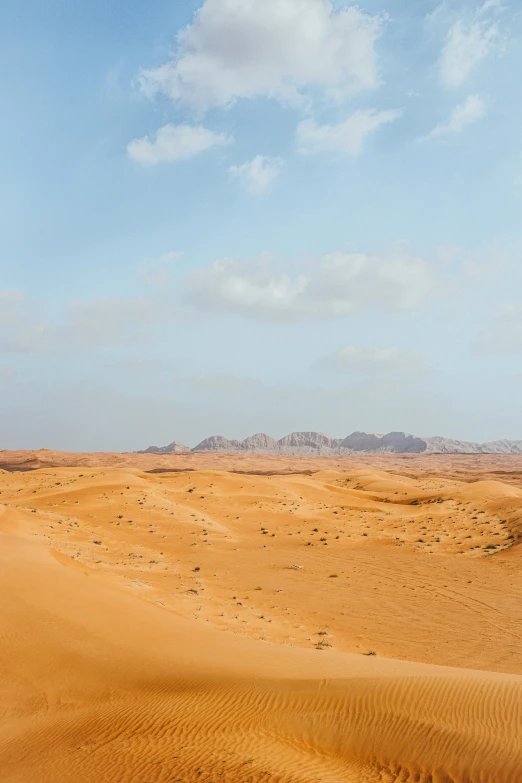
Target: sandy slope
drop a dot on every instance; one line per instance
(121, 662)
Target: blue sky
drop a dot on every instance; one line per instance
(232, 216)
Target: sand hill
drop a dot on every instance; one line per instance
(214, 618)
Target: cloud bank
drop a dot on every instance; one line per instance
(333, 286)
(279, 49)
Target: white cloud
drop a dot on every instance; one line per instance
(259, 174)
(280, 49)
(468, 43)
(348, 136)
(175, 142)
(333, 286)
(464, 114)
(372, 361)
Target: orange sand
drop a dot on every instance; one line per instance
(213, 625)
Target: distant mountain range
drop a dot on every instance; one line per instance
(319, 444)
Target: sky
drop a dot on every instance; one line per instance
(239, 216)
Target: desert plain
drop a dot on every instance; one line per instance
(229, 618)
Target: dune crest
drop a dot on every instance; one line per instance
(194, 626)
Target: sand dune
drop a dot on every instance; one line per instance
(212, 626)
(467, 467)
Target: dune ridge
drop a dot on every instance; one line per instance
(463, 467)
(153, 630)
(164, 689)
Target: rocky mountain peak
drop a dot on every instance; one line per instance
(318, 443)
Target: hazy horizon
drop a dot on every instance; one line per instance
(230, 217)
